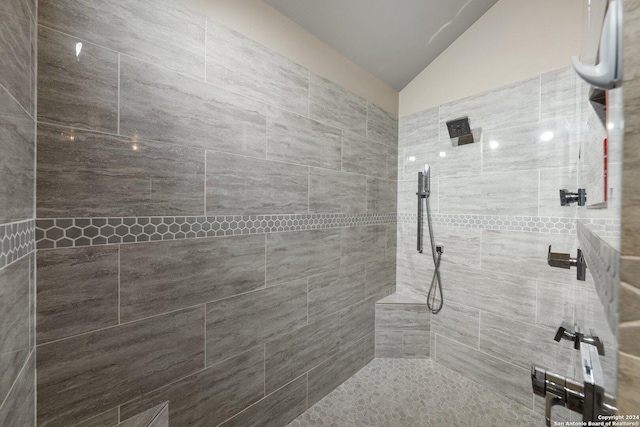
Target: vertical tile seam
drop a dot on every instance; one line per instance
(33, 72)
(33, 329)
(205, 334)
(35, 124)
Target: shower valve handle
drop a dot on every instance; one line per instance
(562, 260)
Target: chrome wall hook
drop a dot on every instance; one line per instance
(566, 197)
(562, 260)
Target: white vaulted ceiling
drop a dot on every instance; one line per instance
(392, 39)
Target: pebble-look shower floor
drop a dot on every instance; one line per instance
(414, 393)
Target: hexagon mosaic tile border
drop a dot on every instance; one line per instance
(69, 232)
(538, 224)
(16, 241)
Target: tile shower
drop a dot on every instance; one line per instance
(214, 225)
(496, 212)
(215, 222)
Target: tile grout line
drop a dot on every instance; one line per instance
(231, 153)
(17, 259)
(17, 102)
(34, 306)
(260, 400)
(205, 334)
(223, 88)
(22, 369)
(485, 354)
(192, 307)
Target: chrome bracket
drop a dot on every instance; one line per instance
(587, 397)
(562, 260)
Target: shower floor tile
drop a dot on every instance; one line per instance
(414, 392)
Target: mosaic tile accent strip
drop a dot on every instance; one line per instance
(409, 393)
(603, 262)
(553, 225)
(16, 241)
(68, 232)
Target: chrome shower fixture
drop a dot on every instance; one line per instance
(424, 187)
(460, 131)
(424, 190)
(566, 198)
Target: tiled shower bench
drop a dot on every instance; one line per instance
(402, 328)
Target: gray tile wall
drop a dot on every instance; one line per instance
(215, 223)
(496, 210)
(17, 234)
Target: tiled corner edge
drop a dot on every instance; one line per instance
(17, 239)
(603, 262)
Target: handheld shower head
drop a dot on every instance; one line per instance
(427, 180)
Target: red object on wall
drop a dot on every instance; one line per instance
(606, 172)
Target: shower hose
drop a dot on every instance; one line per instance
(436, 282)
